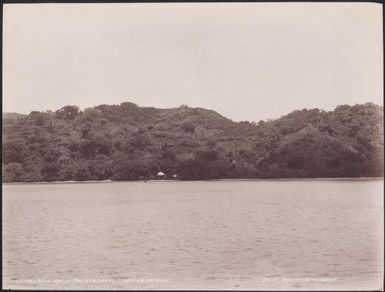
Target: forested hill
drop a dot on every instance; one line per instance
(127, 142)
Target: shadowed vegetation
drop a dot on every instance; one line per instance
(127, 142)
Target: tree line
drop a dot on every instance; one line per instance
(128, 142)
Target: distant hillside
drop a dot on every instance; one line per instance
(12, 116)
(127, 142)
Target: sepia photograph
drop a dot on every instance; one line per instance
(193, 146)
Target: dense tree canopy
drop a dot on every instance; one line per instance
(127, 142)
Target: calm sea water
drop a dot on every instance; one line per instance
(294, 234)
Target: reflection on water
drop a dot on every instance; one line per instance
(194, 235)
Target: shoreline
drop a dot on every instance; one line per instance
(208, 180)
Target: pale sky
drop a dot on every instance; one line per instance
(248, 61)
